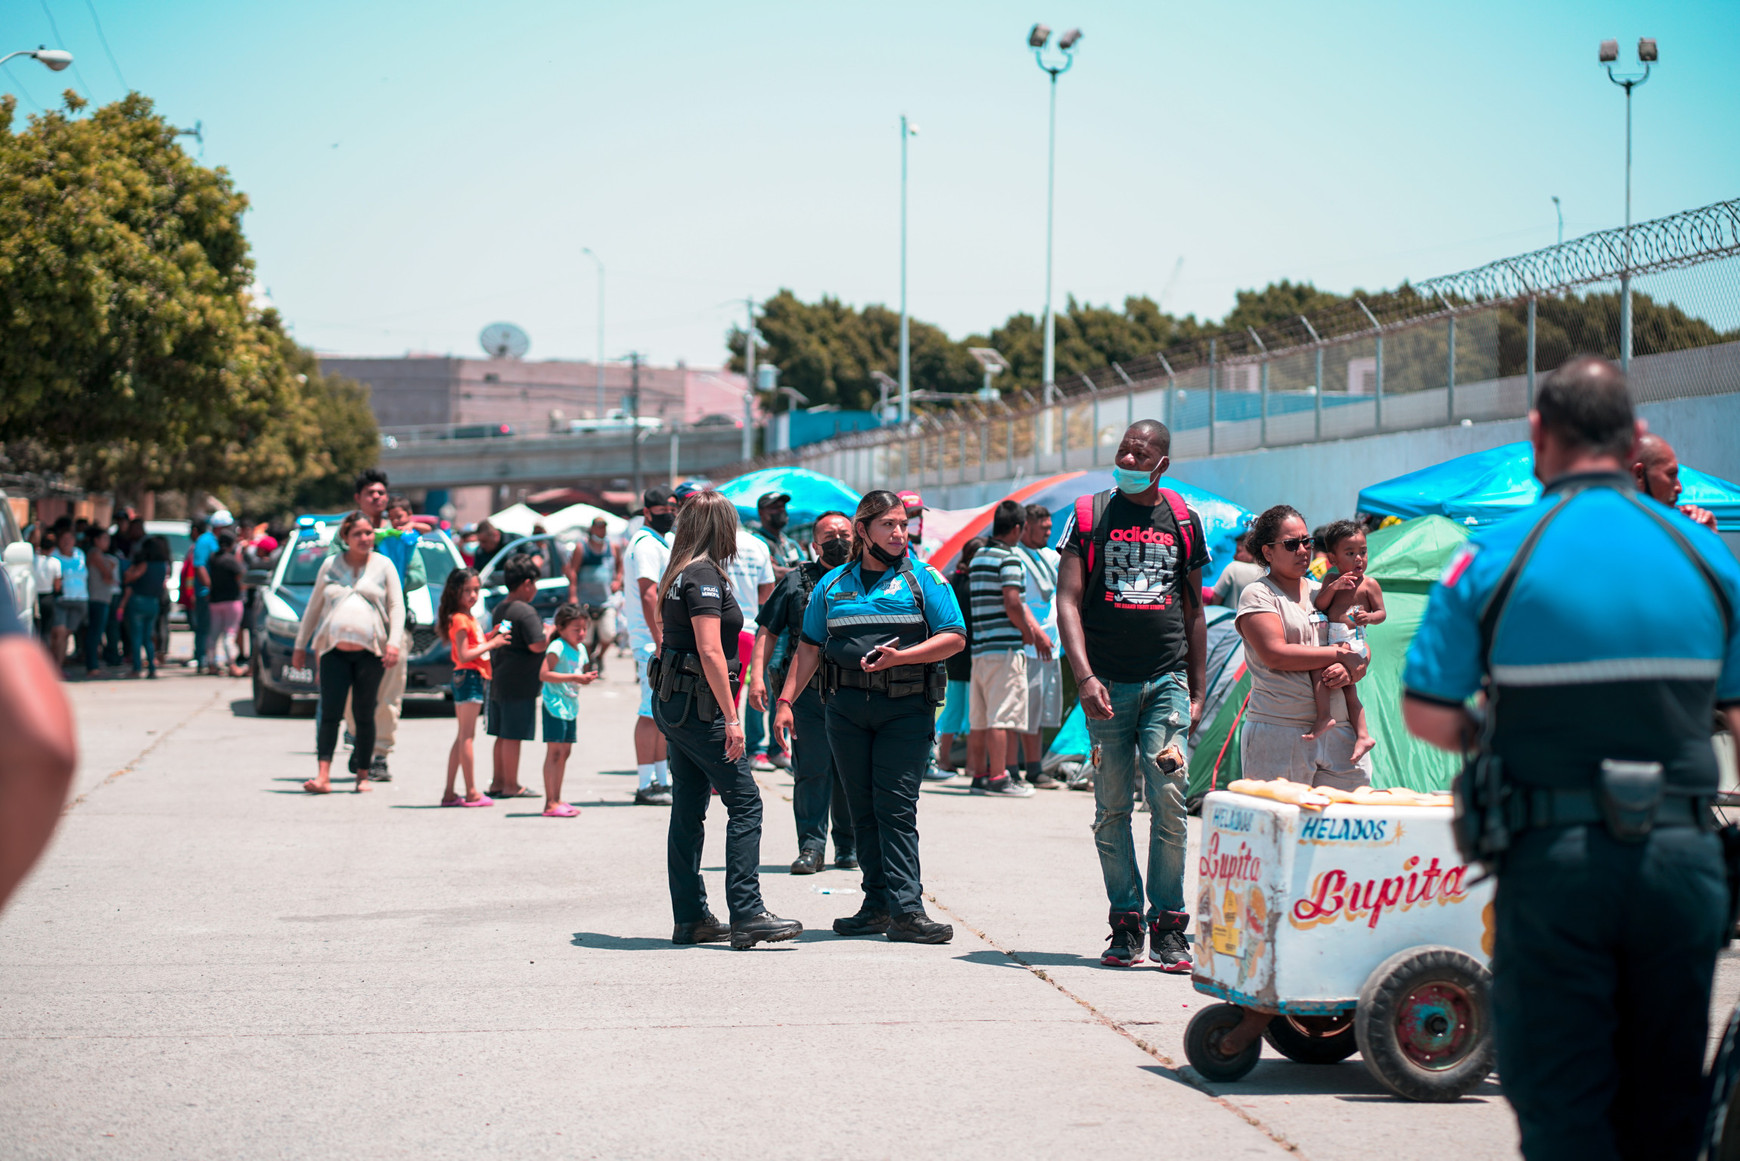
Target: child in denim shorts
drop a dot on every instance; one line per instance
(470, 649)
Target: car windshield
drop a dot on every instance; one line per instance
(179, 543)
(307, 553)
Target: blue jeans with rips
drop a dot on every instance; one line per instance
(1146, 718)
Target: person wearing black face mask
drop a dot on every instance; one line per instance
(878, 627)
(815, 791)
(787, 553)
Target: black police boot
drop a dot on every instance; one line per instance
(809, 861)
(707, 929)
(917, 927)
(845, 860)
(869, 921)
(764, 928)
(1166, 942)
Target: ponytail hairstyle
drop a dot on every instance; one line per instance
(870, 508)
(706, 530)
(451, 595)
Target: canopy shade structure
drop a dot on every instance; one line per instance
(516, 520)
(1490, 485)
(1222, 520)
(811, 494)
(580, 517)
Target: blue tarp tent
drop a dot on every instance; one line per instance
(811, 494)
(1490, 485)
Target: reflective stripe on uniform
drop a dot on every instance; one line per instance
(1609, 669)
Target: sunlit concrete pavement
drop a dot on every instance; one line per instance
(211, 963)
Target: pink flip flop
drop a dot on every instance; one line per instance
(561, 810)
(482, 800)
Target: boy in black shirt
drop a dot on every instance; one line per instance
(516, 683)
(1129, 610)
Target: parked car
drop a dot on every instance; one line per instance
(179, 534)
(481, 430)
(552, 584)
(19, 563)
(615, 421)
(285, 590)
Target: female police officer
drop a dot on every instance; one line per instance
(878, 625)
(696, 711)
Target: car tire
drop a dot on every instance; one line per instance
(268, 702)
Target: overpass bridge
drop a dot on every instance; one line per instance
(433, 458)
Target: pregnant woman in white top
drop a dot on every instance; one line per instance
(355, 618)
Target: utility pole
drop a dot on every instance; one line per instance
(907, 129)
(634, 418)
(587, 250)
(749, 382)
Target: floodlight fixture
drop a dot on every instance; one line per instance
(1068, 39)
(1037, 38)
(55, 58)
(1609, 51)
(990, 359)
(1646, 49)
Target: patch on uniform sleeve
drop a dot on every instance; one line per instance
(709, 591)
(935, 575)
(1458, 565)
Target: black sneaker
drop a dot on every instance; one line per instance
(708, 929)
(764, 928)
(1166, 940)
(1125, 942)
(917, 927)
(378, 771)
(1002, 786)
(868, 921)
(654, 795)
(809, 861)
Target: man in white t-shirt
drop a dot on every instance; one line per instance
(1044, 678)
(649, 550)
(752, 578)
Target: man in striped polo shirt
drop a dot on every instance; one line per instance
(1003, 626)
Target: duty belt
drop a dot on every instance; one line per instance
(1537, 808)
(899, 681)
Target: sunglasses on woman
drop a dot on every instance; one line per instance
(1295, 543)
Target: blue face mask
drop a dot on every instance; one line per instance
(1132, 482)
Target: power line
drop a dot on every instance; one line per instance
(97, 20)
(22, 91)
(59, 39)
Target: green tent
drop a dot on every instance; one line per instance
(1407, 560)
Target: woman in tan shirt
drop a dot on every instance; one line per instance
(355, 618)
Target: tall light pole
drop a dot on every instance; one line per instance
(1646, 55)
(587, 250)
(907, 129)
(55, 58)
(749, 382)
(1036, 40)
(1560, 210)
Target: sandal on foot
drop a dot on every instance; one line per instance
(522, 792)
(481, 800)
(454, 801)
(561, 810)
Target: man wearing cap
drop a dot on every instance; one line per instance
(649, 550)
(916, 543)
(787, 553)
(1657, 472)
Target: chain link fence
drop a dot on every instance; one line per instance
(1466, 348)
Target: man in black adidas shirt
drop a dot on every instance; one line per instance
(1129, 610)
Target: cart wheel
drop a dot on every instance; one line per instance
(1202, 1044)
(1424, 1023)
(1313, 1039)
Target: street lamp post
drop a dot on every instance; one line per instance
(1560, 210)
(587, 250)
(907, 129)
(1036, 40)
(55, 58)
(1646, 55)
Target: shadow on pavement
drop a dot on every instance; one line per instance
(1346, 1081)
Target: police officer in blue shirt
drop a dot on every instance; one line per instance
(1601, 626)
(879, 626)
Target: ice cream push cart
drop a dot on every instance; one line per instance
(1331, 927)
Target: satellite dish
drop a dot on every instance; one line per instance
(504, 341)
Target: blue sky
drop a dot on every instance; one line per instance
(419, 170)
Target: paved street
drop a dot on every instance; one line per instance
(211, 963)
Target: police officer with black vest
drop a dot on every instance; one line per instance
(815, 793)
(879, 627)
(695, 706)
(1600, 627)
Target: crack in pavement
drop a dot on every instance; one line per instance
(140, 756)
(1169, 1066)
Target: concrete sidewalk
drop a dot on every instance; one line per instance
(211, 963)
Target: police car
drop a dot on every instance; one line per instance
(284, 594)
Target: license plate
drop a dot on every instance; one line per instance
(304, 675)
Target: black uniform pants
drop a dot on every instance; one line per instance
(881, 747)
(1603, 956)
(698, 763)
(816, 791)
